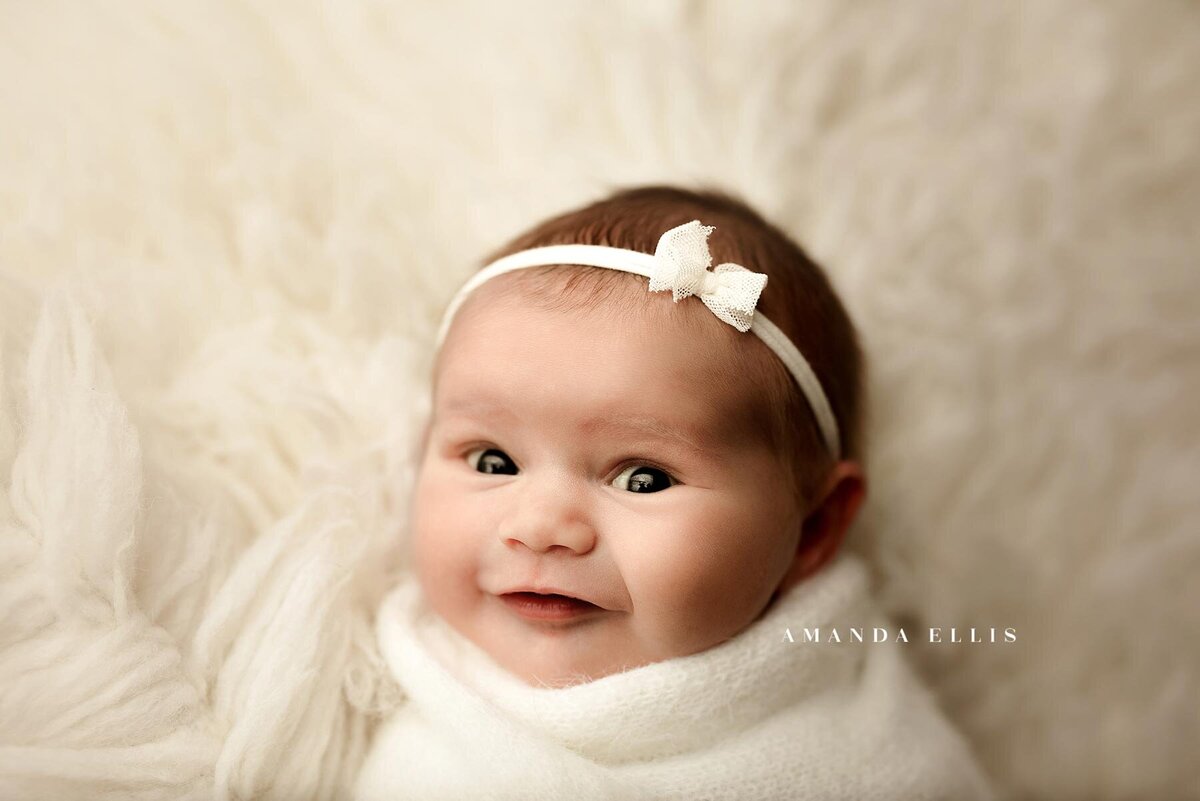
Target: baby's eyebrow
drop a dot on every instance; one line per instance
(700, 441)
(478, 407)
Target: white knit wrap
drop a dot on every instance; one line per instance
(757, 717)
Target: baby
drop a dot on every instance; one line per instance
(560, 638)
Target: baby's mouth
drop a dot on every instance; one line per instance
(548, 606)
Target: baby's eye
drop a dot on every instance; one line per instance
(491, 460)
(643, 478)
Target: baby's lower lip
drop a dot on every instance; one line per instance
(547, 607)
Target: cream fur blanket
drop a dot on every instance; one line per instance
(765, 715)
(227, 229)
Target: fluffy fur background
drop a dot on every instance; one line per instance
(227, 231)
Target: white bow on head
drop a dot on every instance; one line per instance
(681, 263)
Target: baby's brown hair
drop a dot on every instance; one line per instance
(798, 299)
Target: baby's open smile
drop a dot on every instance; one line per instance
(551, 609)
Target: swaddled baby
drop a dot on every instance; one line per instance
(635, 479)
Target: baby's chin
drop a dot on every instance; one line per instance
(548, 657)
(559, 674)
(557, 680)
(554, 663)
(559, 659)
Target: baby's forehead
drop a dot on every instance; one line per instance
(635, 356)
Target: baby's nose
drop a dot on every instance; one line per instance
(544, 523)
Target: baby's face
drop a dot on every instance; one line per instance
(573, 454)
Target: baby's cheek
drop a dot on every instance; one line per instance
(680, 588)
(712, 585)
(439, 533)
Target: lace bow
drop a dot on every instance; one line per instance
(681, 263)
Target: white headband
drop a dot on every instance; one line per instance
(680, 263)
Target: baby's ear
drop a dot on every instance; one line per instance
(827, 521)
